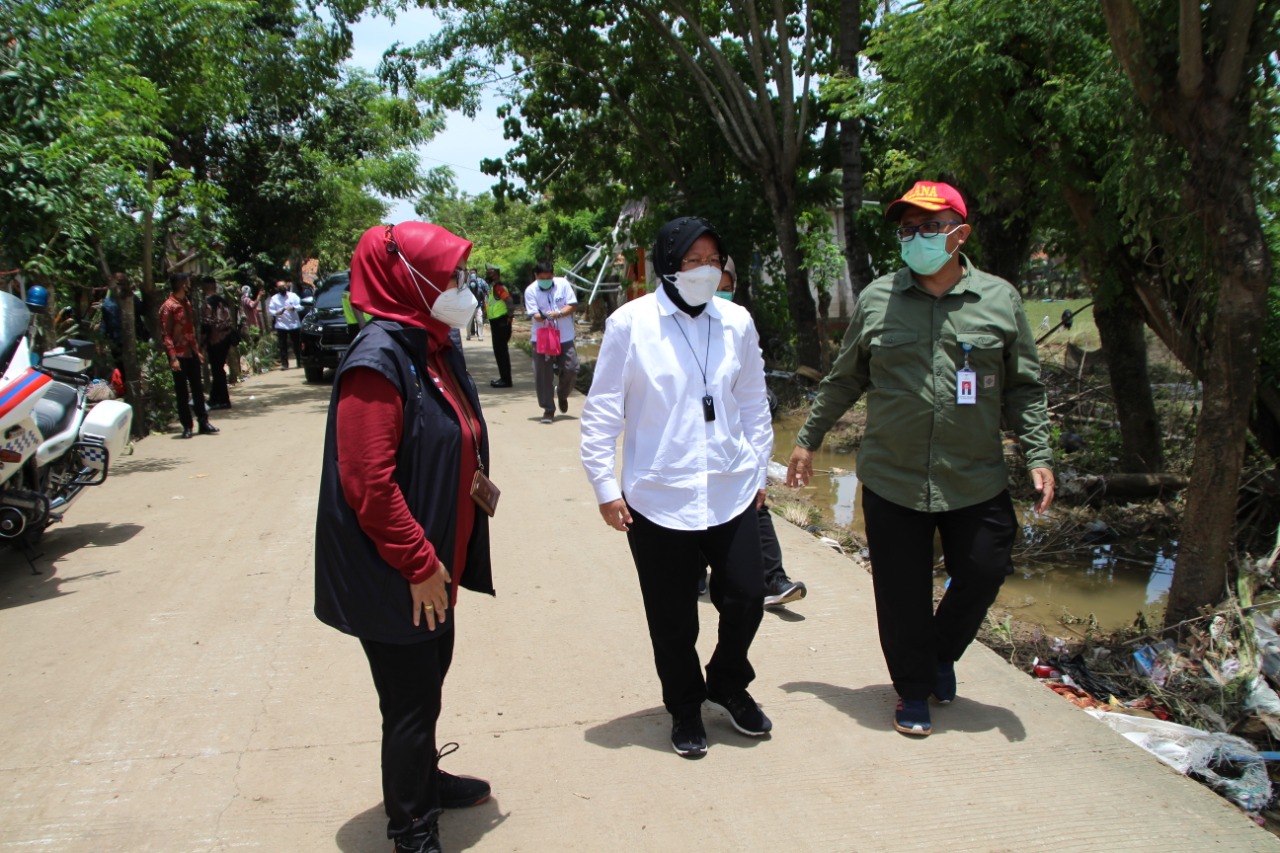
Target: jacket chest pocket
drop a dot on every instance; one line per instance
(897, 361)
(985, 353)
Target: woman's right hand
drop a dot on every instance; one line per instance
(431, 597)
(616, 514)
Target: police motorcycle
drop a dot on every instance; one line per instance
(53, 441)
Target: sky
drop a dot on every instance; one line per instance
(464, 142)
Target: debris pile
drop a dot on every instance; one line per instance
(1201, 699)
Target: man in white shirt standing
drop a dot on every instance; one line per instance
(551, 300)
(681, 377)
(283, 308)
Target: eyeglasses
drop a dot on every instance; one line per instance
(709, 261)
(924, 229)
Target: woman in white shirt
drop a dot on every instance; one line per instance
(680, 376)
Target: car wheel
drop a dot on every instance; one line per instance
(313, 372)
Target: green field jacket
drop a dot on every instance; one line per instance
(903, 348)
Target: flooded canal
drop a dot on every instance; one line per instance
(1111, 581)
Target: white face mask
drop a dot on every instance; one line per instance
(454, 307)
(697, 286)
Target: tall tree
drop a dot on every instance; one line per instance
(1200, 70)
(692, 104)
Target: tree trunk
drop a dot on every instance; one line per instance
(1125, 349)
(149, 300)
(800, 301)
(135, 386)
(1005, 241)
(1204, 103)
(856, 254)
(1096, 488)
(1219, 188)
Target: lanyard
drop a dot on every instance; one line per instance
(445, 377)
(706, 360)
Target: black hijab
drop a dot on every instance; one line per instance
(674, 239)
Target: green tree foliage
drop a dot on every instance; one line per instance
(701, 108)
(77, 124)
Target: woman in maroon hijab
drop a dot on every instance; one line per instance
(398, 530)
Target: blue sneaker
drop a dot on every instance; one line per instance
(912, 717)
(944, 688)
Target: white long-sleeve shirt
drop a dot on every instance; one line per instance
(678, 469)
(283, 307)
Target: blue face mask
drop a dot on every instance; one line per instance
(724, 294)
(926, 255)
(546, 283)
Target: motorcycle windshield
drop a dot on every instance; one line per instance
(15, 317)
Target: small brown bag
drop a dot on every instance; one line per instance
(485, 493)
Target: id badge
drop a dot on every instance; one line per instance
(966, 387)
(708, 409)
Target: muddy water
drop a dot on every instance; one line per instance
(1113, 582)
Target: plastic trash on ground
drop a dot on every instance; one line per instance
(1264, 631)
(1228, 764)
(1152, 661)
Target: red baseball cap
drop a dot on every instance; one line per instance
(929, 196)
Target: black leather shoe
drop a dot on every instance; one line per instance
(207, 428)
(458, 792)
(498, 383)
(186, 433)
(461, 792)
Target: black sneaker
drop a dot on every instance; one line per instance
(207, 428)
(422, 837)
(564, 404)
(459, 792)
(745, 713)
(688, 737)
(784, 591)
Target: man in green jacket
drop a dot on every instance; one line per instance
(943, 352)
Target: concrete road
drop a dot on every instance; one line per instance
(165, 686)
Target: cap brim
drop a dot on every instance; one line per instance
(894, 211)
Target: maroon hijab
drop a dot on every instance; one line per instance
(382, 285)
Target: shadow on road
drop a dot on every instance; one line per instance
(133, 466)
(650, 728)
(872, 708)
(18, 586)
(460, 829)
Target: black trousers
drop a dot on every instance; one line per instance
(977, 545)
(188, 388)
(669, 563)
(218, 393)
(409, 679)
(500, 333)
(283, 337)
(770, 550)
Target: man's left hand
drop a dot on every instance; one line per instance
(760, 496)
(1042, 479)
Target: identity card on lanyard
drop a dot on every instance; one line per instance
(966, 381)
